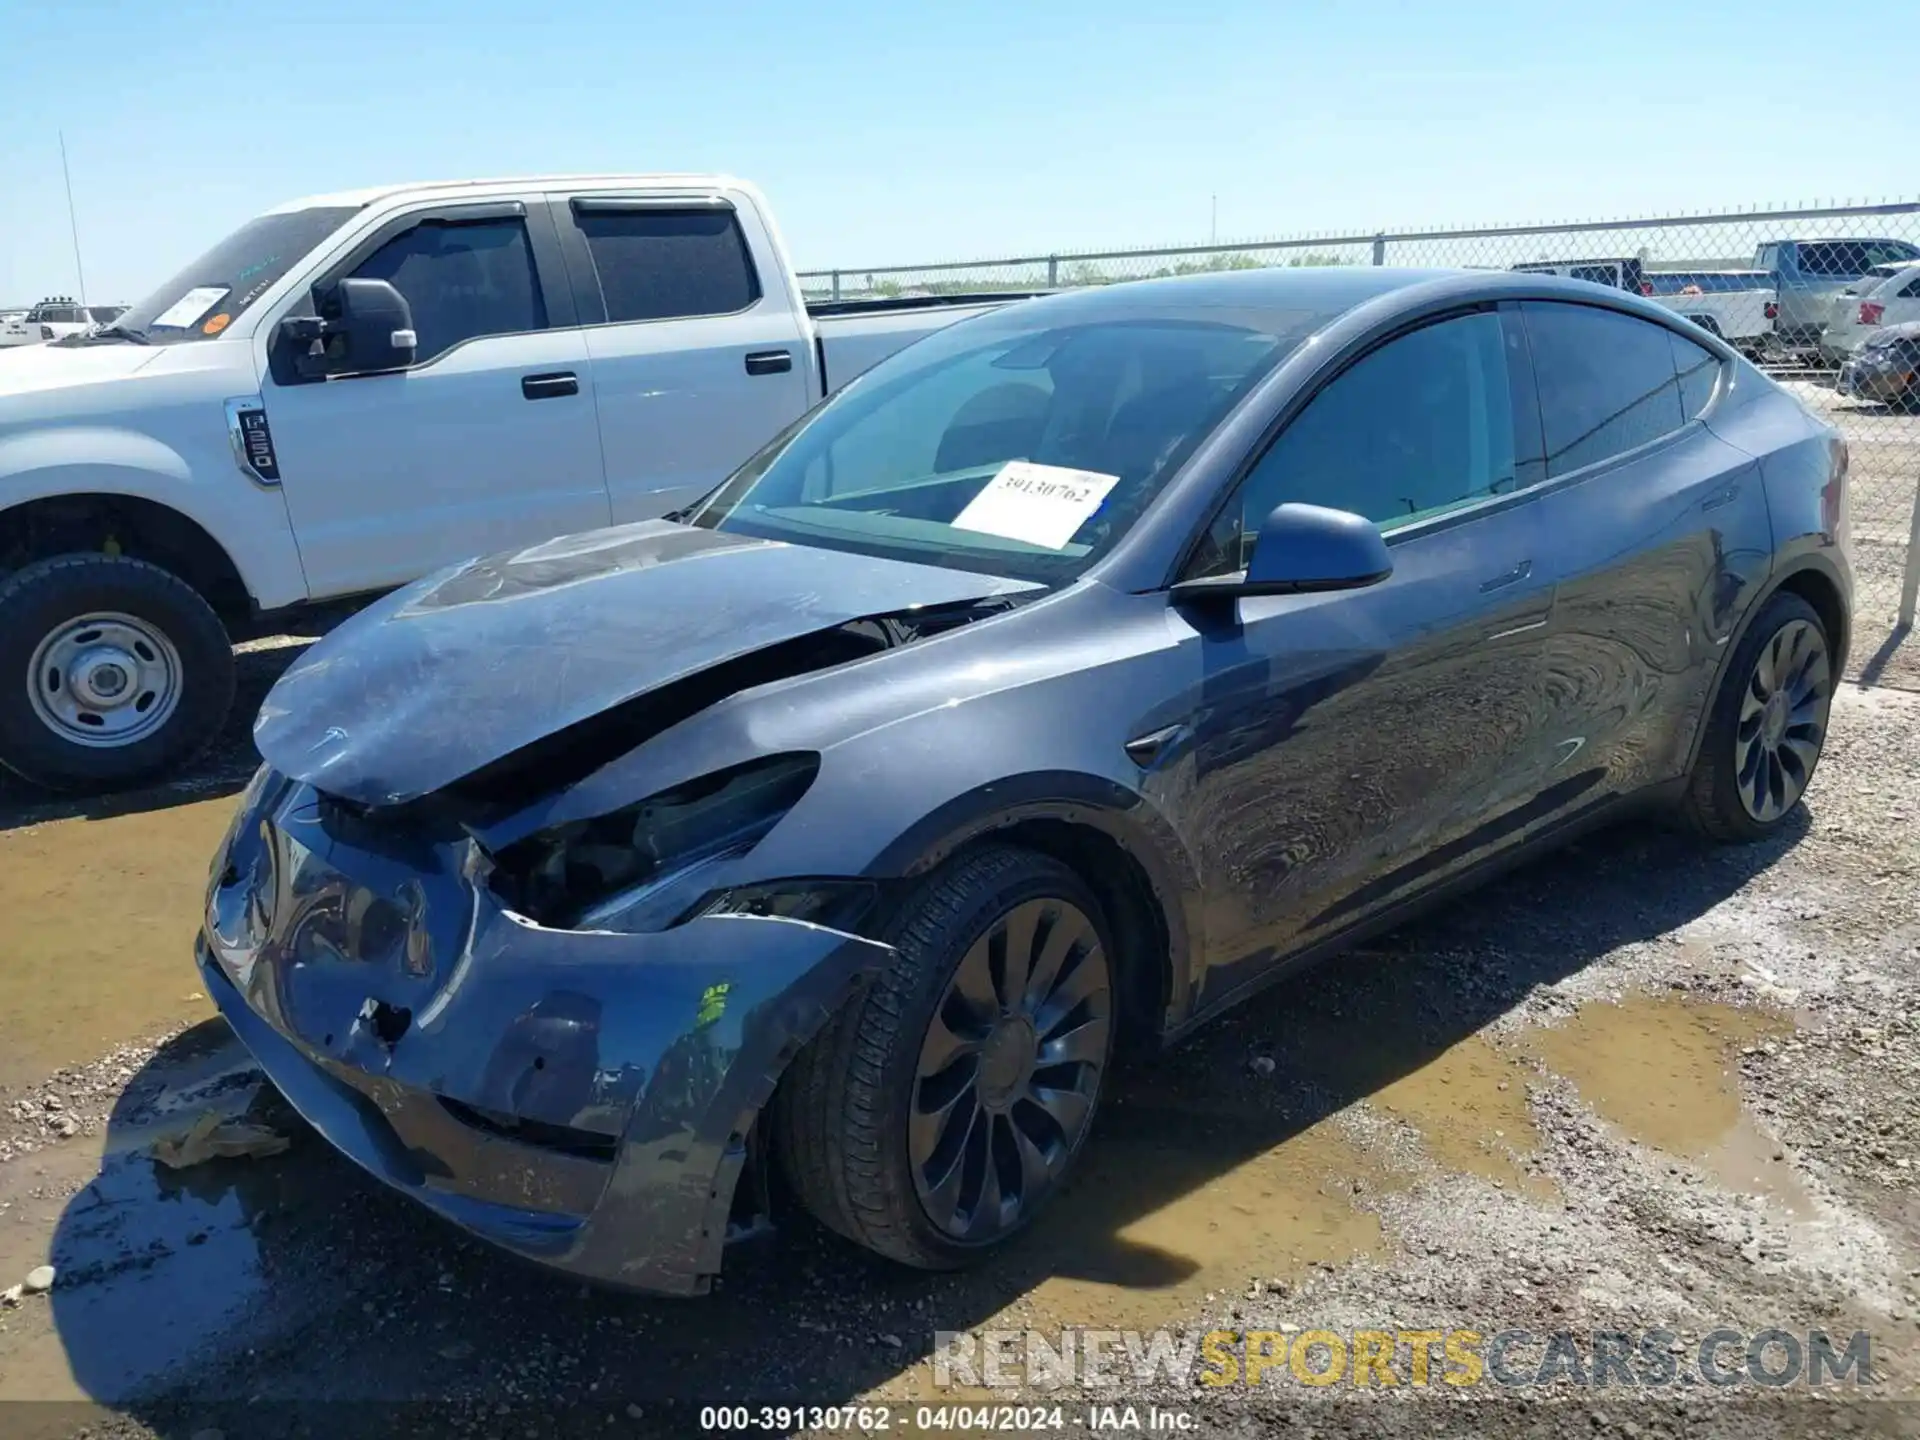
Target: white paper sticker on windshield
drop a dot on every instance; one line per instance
(1037, 504)
(190, 308)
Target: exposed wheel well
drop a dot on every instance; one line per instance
(1821, 593)
(124, 525)
(1140, 927)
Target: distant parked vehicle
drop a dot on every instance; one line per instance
(1809, 275)
(52, 319)
(1885, 295)
(1736, 305)
(1616, 274)
(1887, 368)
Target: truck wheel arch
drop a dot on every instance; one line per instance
(130, 525)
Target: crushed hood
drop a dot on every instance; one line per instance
(471, 664)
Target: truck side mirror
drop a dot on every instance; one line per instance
(359, 327)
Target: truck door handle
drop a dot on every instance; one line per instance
(545, 387)
(769, 362)
(1512, 577)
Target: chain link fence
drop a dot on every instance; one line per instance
(1798, 290)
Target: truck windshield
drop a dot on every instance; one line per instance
(1025, 443)
(203, 299)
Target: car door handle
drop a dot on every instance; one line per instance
(545, 387)
(1512, 577)
(769, 362)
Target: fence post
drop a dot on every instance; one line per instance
(1053, 272)
(1379, 249)
(1910, 583)
(836, 284)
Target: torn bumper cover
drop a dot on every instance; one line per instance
(582, 1098)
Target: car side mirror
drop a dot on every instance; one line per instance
(1301, 549)
(358, 327)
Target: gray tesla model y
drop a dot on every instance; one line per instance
(1072, 674)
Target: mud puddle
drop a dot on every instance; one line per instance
(1469, 1107)
(98, 935)
(1157, 1221)
(1663, 1070)
(152, 1265)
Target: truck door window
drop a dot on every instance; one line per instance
(463, 281)
(658, 264)
(1836, 259)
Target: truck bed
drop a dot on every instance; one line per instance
(855, 335)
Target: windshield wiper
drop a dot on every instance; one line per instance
(106, 332)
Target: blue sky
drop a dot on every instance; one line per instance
(892, 132)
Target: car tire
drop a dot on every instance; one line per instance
(112, 672)
(937, 1162)
(1767, 726)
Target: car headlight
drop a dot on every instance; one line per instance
(643, 866)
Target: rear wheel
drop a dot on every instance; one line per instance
(112, 672)
(1767, 727)
(938, 1112)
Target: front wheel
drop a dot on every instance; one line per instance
(938, 1112)
(1767, 725)
(112, 672)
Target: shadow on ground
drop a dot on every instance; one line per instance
(293, 1284)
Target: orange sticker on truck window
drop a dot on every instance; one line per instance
(217, 323)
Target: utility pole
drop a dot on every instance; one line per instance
(73, 223)
(1213, 226)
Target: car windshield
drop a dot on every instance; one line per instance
(203, 299)
(1021, 444)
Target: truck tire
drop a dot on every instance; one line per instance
(936, 1114)
(112, 672)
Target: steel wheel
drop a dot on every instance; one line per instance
(1009, 1069)
(1783, 721)
(104, 680)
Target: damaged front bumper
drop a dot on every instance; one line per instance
(582, 1098)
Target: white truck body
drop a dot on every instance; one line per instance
(384, 477)
(1737, 305)
(590, 350)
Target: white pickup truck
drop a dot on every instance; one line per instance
(351, 391)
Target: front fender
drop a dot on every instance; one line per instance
(1092, 802)
(244, 518)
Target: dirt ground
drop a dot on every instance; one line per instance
(1642, 1085)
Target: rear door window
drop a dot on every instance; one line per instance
(1607, 382)
(662, 264)
(463, 281)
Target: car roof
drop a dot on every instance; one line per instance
(1318, 292)
(1324, 289)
